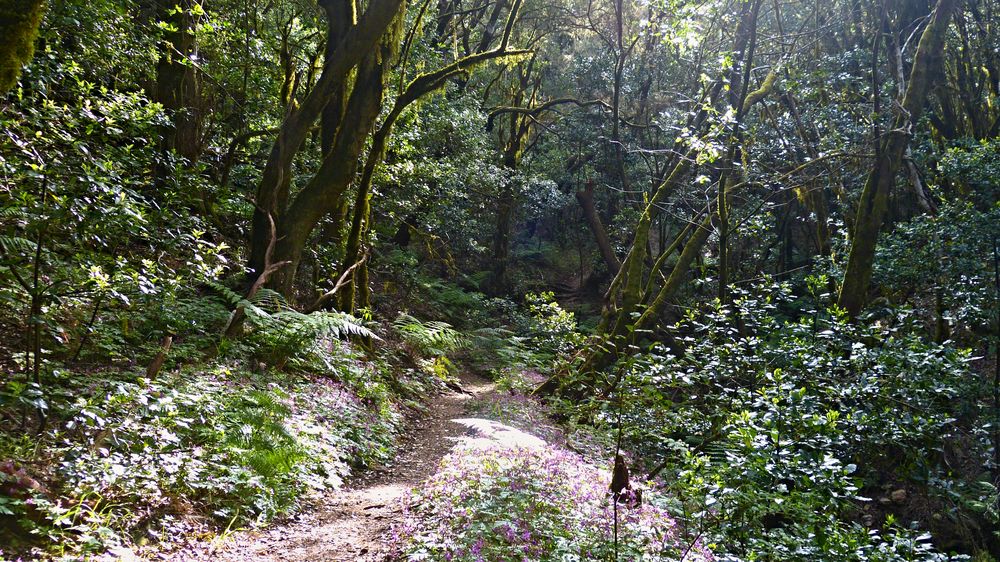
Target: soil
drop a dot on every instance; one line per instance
(355, 523)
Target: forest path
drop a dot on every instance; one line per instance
(355, 523)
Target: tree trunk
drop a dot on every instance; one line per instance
(628, 295)
(177, 85)
(520, 127)
(875, 196)
(499, 282)
(19, 22)
(340, 15)
(586, 198)
(272, 192)
(324, 191)
(360, 224)
(815, 196)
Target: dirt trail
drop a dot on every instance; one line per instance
(354, 523)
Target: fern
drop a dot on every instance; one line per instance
(321, 324)
(230, 296)
(431, 338)
(289, 334)
(269, 300)
(256, 307)
(491, 337)
(448, 300)
(501, 345)
(257, 433)
(16, 245)
(279, 332)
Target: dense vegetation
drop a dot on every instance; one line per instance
(748, 249)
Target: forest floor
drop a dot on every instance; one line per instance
(355, 523)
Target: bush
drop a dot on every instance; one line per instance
(554, 330)
(783, 437)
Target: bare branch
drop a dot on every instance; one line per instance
(344, 280)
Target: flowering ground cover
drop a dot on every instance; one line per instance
(157, 461)
(493, 502)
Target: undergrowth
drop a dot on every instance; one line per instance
(136, 455)
(499, 503)
(130, 459)
(786, 432)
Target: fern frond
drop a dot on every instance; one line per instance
(322, 324)
(16, 245)
(231, 297)
(432, 338)
(14, 213)
(269, 300)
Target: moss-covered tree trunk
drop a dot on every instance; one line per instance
(339, 15)
(515, 137)
(353, 274)
(322, 195)
(585, 197)
(359, 41)
(874, 201)
(633, 304)
(19, 22)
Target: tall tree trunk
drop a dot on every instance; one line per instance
(519, 129)
(814, 195)
(359, 226)
(875, 196)
(339, 15)
(499, 282)
(271, 198)
(738, 94)
(360, 223)
(19, 22)
(324, 191)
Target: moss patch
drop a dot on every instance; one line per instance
(19, 21)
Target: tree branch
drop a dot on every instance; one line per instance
(344, 280)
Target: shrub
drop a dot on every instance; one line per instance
(777, 433)
(554, 330)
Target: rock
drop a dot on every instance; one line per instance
(898, 496)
